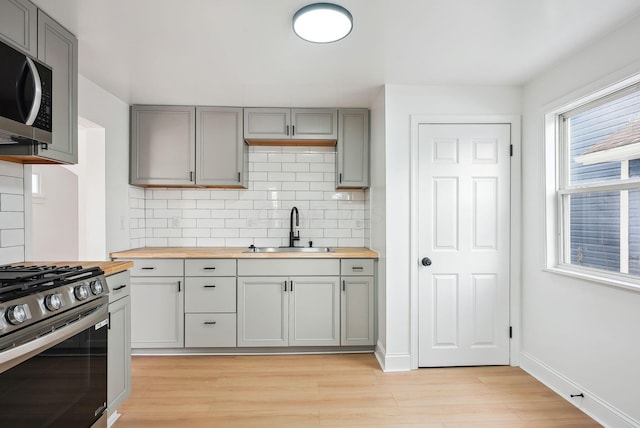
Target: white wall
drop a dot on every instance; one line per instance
(54, 223)
(112, 114)
(578, 336)
(12, 224)
(401, 102)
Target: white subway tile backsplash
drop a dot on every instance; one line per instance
(11, 237)
(279, 179)
(11, 185)
(12, 220)
(11, 202)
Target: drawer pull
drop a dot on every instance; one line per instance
(120, 287)
(179, 286)
(357, 268)
(209, 268)
(344, 285)
(209, 322)
(148, 268)
(210, 286)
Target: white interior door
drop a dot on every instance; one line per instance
(464, 207)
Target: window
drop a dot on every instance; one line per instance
(598, 185)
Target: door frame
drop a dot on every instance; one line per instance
(515, 219)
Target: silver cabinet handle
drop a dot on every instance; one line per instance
(209, 268)
(293, 130)
(210, 286)
(147, 268)
(37, 97)
(344, 285)
(179, 286)
(120, 287)
(285, 286)
(209, 322)
(340, 178)
(357, 268)
(287, 129)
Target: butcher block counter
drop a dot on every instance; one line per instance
(109, 268)
(238, 253)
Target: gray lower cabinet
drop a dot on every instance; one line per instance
(157, 303)
(275, 309)
(210, 303)
(19, 25)
(294, 124)
(288, 311)
(187, 146)
(357, 326)
(162, 145)
(352, 170)
(119, 341)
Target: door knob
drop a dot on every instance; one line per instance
(426, 261)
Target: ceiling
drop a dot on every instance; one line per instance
(243, 52)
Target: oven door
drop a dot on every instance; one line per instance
(58, 379)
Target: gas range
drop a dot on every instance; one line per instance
(54, 324)
(31, 294)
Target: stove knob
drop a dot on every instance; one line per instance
(18, 314)
(97, 287)
(81, 292)
(53, 302)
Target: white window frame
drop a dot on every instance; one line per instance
(556, 184)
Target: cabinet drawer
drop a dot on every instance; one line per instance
(210, 267)
(210, 330)
(157, 267)
(288, 267)
(356, 267)
(210, 294)
(119, 286)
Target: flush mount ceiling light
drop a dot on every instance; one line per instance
(322, 23)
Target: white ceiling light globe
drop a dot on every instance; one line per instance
(322, 22)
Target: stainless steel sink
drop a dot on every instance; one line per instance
(289, 250)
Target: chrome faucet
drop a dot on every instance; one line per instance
(292, 236)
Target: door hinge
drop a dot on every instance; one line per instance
(510, 332)
(511, 150)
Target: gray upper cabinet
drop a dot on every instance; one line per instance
(162, 145)
(290, 124)
(58, 48)
(19, 25)
(352, 171)
(220, 148)
(187, 146)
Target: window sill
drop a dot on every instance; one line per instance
(597, 278)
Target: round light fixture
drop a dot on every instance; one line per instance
(322, 23)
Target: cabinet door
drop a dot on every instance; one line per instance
(263, 311)
(19, 25)
(220, 148)
(267, 123)
(353, 149)
(314, 311)
(357, 325)
(119, 353)
(58, 48)
(314, 124)
(157, 312)
(162, 145)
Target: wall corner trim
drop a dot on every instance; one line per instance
(597, 408)
(392, 362)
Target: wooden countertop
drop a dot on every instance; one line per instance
(236, 253)
(109, 268)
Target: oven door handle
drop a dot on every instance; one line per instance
(14, 356)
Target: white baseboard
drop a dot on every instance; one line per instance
(113, 418)
(392, 362)
(603, 412)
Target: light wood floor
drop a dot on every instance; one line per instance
(335, 391)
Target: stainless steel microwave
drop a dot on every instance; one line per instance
(25, 98)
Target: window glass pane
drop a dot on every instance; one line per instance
(603, 136)
(595, 230)
(634, 232)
